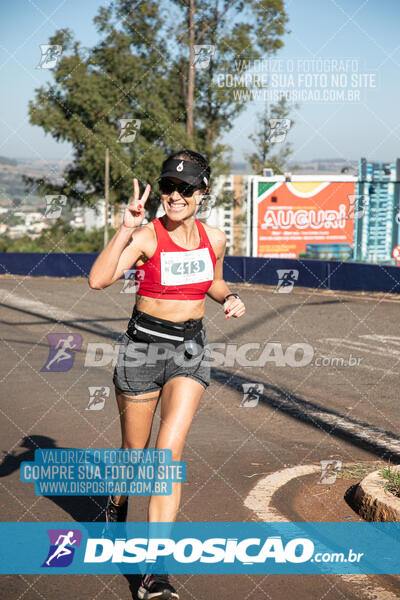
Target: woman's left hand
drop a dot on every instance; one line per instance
(234, 307)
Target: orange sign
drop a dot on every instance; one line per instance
(292, 215)
(396, 254)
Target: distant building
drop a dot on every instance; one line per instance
(329, 166)
(230, 216)
(36, 229)
(377, 211)
(16, 231)
(92, 217)
(33, 217)
(328, 251)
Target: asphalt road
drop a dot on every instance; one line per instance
(312, 407)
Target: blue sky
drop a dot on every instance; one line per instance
(366, 31)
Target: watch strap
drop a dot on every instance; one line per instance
(229, 295)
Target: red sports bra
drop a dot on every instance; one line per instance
(174, 273)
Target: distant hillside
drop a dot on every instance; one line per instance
(8, 161)
(241, 168)
(320, 165)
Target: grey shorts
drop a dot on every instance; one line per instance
(145, 367)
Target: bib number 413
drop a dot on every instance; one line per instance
(187, 268)
(180, 268)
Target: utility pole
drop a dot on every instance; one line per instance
(106, 195)
(191, 74)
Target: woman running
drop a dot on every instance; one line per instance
(178, 260)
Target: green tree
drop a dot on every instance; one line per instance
(60, 237)
(238, 33)
(262, 157)
(143, 69)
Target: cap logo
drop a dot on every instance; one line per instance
(205, 180)
(180, 166)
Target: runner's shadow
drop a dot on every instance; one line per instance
(278, 311)
(81, 508)
(380, 442)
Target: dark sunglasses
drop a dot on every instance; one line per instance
(168, 187)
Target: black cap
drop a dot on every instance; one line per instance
(188, 171)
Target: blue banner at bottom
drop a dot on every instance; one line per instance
(204, 548)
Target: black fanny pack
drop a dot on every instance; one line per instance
(146, 328)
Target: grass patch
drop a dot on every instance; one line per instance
(358, 470)
(392, 478)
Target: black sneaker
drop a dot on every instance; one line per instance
(156, 586)
(116, 513)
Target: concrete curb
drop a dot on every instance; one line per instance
(373, 502)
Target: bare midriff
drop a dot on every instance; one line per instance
(171, 310)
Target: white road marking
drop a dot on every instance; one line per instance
(35, 306)
(259, 501)
(360, 366)
(378, 344)
(375, 337)
(49, 311)
(380, 438)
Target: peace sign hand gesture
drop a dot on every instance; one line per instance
(134, 212)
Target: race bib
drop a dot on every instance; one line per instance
(180, 268)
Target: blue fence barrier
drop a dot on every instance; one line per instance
(58, 264)
(333, 275)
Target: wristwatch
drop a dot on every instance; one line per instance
(229, 295)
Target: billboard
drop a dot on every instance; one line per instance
(306, 216)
